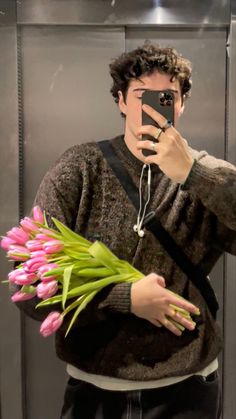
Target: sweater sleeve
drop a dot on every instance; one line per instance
(213, 181)
(59, 196)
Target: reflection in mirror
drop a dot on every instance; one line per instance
(132, 339)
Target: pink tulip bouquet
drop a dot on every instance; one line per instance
(60, 266)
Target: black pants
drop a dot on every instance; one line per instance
(193, 398)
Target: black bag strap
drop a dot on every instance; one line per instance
(151, 222)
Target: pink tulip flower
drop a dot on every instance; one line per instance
(38, 254)
(53, 246)
(17, 252)
(13, 274)
(38, 215)
(6, 242)
(47, 232)
(47, 289)
(52, 323)
(47, 268)
(25, 279)
(18, 235)
(28, 225)
(43, 237)
(20, 277)
(33, 264)
(34, 245)
(22, 296)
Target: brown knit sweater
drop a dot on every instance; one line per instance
(82, 191)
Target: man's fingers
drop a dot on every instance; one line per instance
(146, 144)
(183, 304)
(171, 326)
(150, 130)
(187, 323)
(180, 319)
(168, 324)
(161, 120)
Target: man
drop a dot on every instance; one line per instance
(126, 357)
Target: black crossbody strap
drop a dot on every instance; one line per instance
(151, 222)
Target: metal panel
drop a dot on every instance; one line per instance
(66, 101)
(125, 12)
(231, 91)
(65, 81)
(7, 12)
(10, 323)
(230, 293)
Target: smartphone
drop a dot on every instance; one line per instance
(163, 101)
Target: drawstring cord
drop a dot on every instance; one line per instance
(140, 218)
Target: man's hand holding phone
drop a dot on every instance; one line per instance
(171, 152)
(162, 101)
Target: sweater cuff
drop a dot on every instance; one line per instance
(118, 298)
(196, 175)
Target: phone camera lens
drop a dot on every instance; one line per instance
(168, 102)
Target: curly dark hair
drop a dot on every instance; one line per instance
(146, 59)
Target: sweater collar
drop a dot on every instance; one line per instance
(125, 155)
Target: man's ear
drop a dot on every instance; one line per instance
(121, 102)
(182, 109)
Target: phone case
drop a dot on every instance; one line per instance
(163, 102)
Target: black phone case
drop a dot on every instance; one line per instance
(163, 102)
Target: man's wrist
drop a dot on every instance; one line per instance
(183, 183)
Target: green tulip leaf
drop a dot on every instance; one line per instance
(81, 307)
(66, 282)
(69, 234)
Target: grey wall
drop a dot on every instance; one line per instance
(54, 89)
(230, 262)
(10, 320)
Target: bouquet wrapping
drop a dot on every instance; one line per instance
(60, 266)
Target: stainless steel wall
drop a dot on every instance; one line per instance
(54, 93)
(10, 320)
(230, 262)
